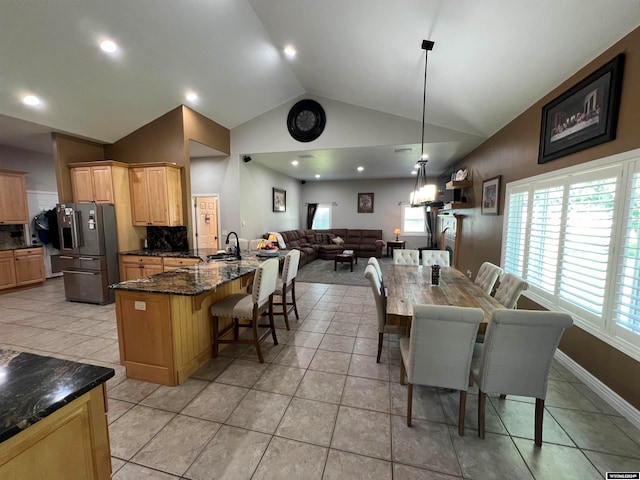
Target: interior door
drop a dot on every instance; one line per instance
(207, 213)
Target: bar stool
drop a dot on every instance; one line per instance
(287, 283)
(248, 306)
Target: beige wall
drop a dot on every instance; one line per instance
(513, 153)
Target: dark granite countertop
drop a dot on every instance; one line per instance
(193, 280)
(33, 387)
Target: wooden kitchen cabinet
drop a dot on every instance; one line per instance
(156, 194)
(94, 181)
(13, 198)
(134, 267)
(171, 263)
(29, 266)
(7, 270)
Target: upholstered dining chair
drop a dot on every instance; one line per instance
(287, 284)
(435, 257)
(374, 261)
(248, 306)
(406, 257)
(487, 276)
(510, 289)
(381, 308)
(515, 358)
(439, 350)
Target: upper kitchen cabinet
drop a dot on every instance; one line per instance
(156, 194)
(13, 198)
(94, 181)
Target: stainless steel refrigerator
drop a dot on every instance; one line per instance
(88, 251)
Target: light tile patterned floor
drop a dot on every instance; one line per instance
(320, 407)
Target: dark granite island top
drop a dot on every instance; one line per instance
(194, 280)
(33, 387)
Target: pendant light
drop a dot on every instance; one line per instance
(423, 193)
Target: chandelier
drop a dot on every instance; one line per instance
(423, 193)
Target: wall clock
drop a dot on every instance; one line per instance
(306, 120)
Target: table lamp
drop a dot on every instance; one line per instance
(273, 239)
(397, 232)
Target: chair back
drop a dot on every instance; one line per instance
(487, 276)
(510, 289)
(441, 345)
(381, 301)
(264, 281)
(374, 261)
(290, 269)
(518, 350)
(406, 257)
(435, 257)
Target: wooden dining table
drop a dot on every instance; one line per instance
(409, 285)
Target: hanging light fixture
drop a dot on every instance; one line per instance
(423, 193)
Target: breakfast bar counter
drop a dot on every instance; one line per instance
(53, 421)
(164, 327)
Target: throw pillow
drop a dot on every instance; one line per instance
(337, 240)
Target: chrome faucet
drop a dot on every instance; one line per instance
(237, 244)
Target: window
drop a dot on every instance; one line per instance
(574, 236)
(322, 218)
(413, 221)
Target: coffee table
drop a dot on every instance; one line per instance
(348, 256)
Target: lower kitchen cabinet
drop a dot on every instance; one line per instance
(133, 267)
(21, 267)
(171, 263)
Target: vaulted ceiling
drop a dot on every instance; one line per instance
(492, 59)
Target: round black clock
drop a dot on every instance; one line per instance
(306, 120)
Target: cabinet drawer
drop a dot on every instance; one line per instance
(6, 254)
(141, 260)
(180, 262)
(28, 252)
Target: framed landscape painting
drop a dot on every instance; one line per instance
(491, 196)
(585, 115)
(279, 200)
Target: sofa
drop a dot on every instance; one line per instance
(321, 243)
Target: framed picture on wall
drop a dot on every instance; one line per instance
(491, 196)
(279, 200)
(365, 203)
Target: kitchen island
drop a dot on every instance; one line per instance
(53, 421)
(164, 326)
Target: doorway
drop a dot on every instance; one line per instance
(206, 216)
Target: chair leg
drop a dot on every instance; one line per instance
(482, 398)
(539, 418)
(214, 335)
(236, 329)
(285, 312)
(256, 340)
(293, 298)
(380, 338)
(463, 405)
(403, 372)
(272, 325)
(409, 403)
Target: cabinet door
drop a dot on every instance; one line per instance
(139, 196)
(7, 270)
(102, 184)
(152, 270)
(131, 272)
(81, 184)
(13, 199)
(29, 266)
(157, 191)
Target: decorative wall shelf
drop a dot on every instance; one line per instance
(458, 187)
(459, 184)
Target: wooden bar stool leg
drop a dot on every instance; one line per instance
(285, 312)
(256, 339)
(538, 421)
(482, 398)
(380, 339)
(409, 403)
(463, 405)
(273, 327)
(293, 298)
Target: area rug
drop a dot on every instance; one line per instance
(321, 271)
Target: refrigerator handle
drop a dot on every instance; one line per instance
(77, 229)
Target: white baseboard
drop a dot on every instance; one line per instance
(618, 403)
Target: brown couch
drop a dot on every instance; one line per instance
(319, 243)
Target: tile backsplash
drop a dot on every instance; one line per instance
(11, 236)
(168, 238)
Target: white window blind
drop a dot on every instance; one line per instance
(544, 237)
(516, 232)
(587, 243)
(322, 218)
(413, 220)
(627, 314)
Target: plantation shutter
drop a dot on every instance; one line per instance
(515, 232)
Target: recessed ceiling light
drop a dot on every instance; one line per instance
(414, 172)
(108, 46)
(294, 163)
(360, 169)
(317, 175)
(31, 100)
(289, 51)
(191, 96)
